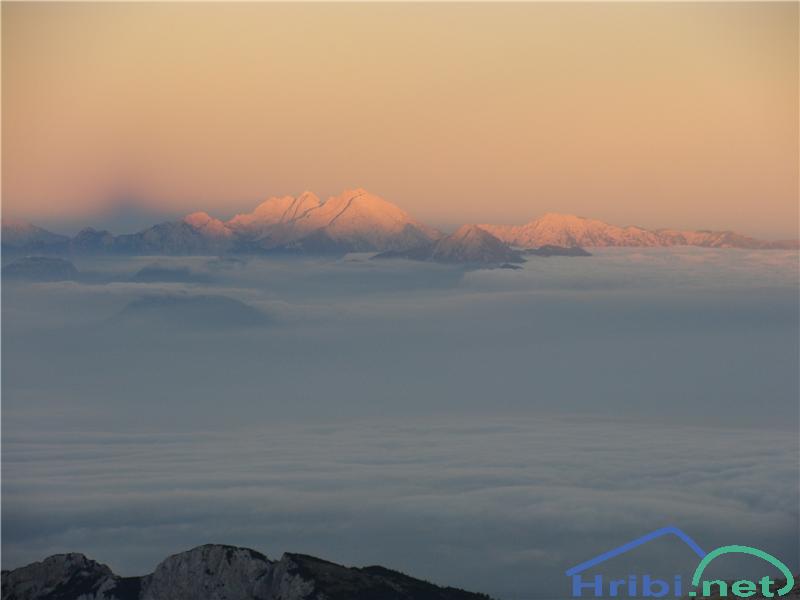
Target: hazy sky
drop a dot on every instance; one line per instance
(673, 114)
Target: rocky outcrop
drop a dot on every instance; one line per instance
(211, 572)
(60, 577)
(216, 572)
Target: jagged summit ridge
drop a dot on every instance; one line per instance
(355, 219)
(273, 211)
(219, 572)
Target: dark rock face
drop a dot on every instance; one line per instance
(216, 572)
(551, 250)
(211, 572)
(40, 268)
(59, 577)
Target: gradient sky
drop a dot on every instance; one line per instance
(661, 115)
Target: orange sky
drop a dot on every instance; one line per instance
(669, 114)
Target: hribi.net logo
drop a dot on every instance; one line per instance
(586, 582)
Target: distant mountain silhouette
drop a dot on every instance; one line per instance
(25, 237)
(468, 245)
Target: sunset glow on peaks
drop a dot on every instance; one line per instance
(679, 115)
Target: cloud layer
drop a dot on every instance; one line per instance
(495, 505)
(486, 429)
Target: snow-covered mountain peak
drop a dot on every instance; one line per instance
(359, 203)
(370, 221)
(355, 219)
(275, 210)
(567, 221)
(569, 231)
(198, 219)
(207, 224)
(554, 217)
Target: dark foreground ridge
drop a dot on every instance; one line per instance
(216, 572)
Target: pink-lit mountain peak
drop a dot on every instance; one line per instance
(207, 224)
(570, 230)
(356, 216)
(359, 208)
(275, 210)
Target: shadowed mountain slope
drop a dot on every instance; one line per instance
(468, 245)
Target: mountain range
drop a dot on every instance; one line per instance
(357, 221)
(217, 572)
(568, 231)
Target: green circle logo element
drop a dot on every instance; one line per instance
(745, 550)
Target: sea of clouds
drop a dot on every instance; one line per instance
(486, 429)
